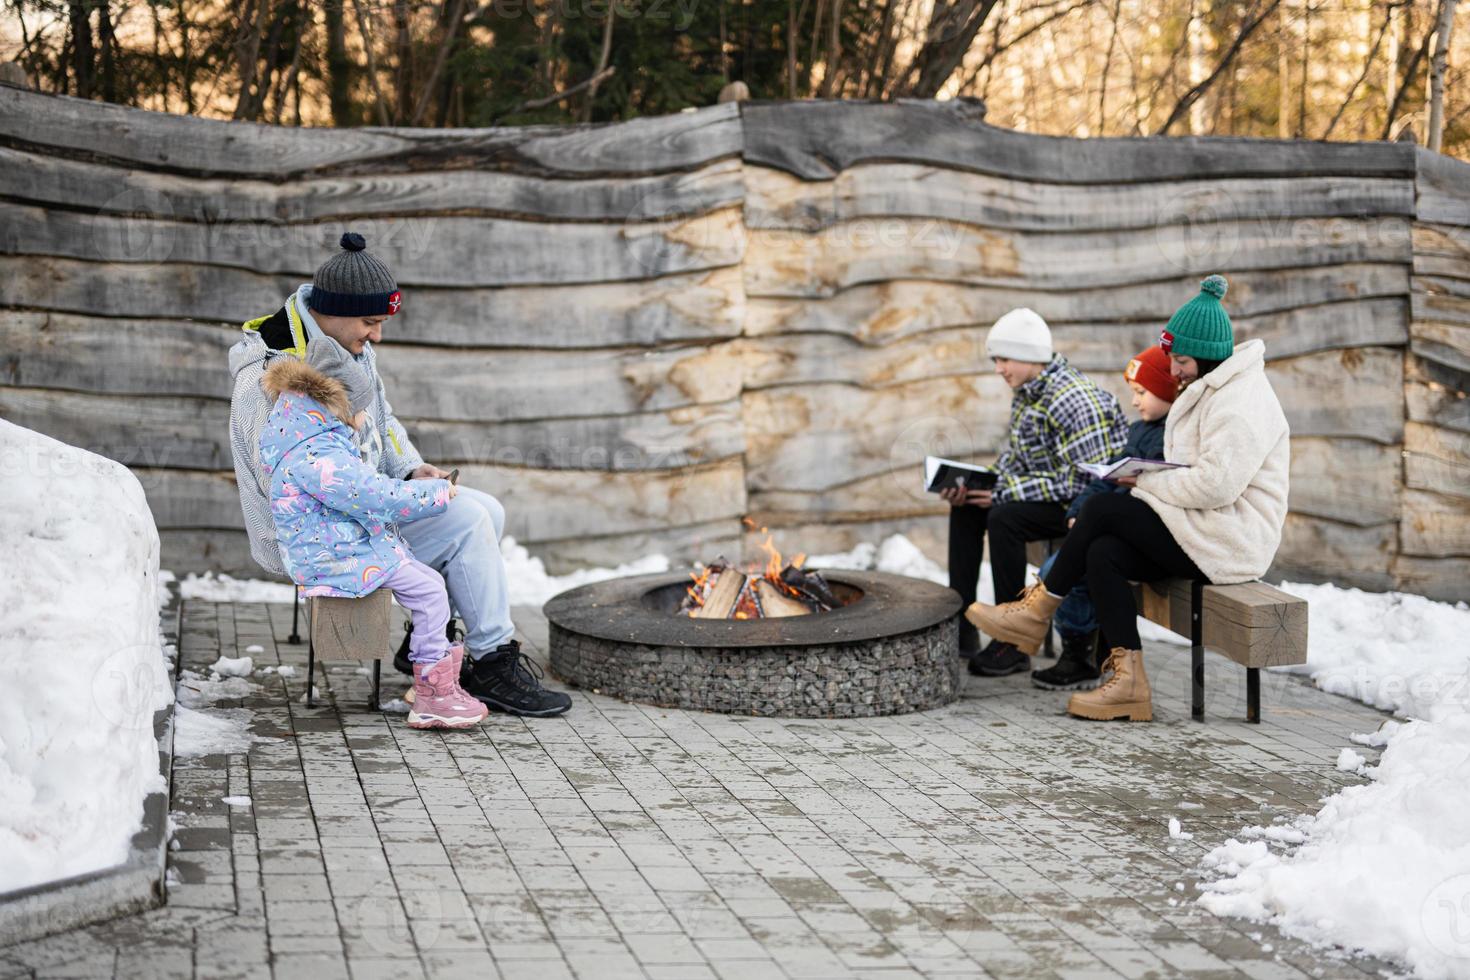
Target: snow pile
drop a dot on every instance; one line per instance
(211, 588)
(530, 585)
(1383, 867)
(81, 659)
(897, 554)
(233, 666)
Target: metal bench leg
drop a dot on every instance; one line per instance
(1197, 650)
(1253, 695)
(377, 678)
(295, 638)
(310, 671)
(1050, 632)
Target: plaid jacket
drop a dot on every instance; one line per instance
(1058, 420)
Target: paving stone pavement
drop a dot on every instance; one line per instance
(996, 837)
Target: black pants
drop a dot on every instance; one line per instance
(1010, 526)
(1118, 539)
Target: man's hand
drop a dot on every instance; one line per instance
(1071, 523)
(960, 497)
(429, 472)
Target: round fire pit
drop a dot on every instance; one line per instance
(891, 648)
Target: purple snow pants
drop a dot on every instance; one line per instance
(420, 590)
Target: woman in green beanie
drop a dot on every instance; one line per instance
(1218, 518)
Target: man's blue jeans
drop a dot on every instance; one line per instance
(463, 545)
(1075, 617)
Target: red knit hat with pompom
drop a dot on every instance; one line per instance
(1150, 368)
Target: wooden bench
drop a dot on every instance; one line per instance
(348, 629)
(1254, 624)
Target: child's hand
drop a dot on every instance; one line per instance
(1127, 481)
(1071, 523)
(453, 491)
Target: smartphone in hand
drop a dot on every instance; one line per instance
(454, 477)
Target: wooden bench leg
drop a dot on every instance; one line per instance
(1253, 695)
(1197, 651)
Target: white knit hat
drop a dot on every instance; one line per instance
(1020, 335)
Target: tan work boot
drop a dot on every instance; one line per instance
(1023, 623)
(1124, 695)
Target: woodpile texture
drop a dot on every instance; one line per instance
(638, 334)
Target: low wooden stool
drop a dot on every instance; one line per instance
(348, 629)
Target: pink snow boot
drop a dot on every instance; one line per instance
(438, 700)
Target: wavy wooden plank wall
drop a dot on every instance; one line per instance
(639, 334)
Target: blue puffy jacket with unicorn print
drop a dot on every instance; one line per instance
(335, 516)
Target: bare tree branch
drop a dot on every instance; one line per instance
(547, 100)
(1409, 73)
(1192, 96)
(451, 31)
(1367, 65)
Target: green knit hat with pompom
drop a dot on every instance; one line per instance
(1201, 328)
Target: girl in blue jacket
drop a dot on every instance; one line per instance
(336, 518)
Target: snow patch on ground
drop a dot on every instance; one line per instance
(1383, 867)
(217, 731)
(83, 666)
(531, 585)
(233, 666)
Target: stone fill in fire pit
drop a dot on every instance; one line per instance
(884, 644)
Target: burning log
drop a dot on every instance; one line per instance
(811, 586)
(723, 596)
(776, 603)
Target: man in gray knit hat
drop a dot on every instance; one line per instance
(349, 299)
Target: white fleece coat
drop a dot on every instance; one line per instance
(1227, 509)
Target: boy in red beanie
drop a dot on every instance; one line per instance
(1154, 390)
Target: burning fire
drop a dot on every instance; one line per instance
(780, 588)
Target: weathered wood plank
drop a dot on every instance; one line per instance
(1317, 550)
(802, 264)
(1320, 487)
(821, 437)
(806, 358)
(647, 441)
(1440, 186)
(776, 199)
(42, 179)
(880, 312)
(1349, 480)
(546, 505)
(1442, 250)
(1434, 525)
(1440, 299)
(421, 251)
(1438, 578)
(162, 141)
(1356, 392)
(190, 433)
(428, 382)
(697, 306)
(1437, 459)
(191, 499)
(1252, 623)
(1436, 394)
(540, 504)
(815, 139)
(1444, 343)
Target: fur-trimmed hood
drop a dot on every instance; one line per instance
(288, 374)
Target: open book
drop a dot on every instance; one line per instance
(1129, 466)
(946, 474)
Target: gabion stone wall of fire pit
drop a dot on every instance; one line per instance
(891, 649)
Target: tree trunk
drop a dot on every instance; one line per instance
(372, 64)
(403, 75)
(834, 50)
(952, 28)
(82, 57)
(1437, 64)
(108, 52)
(602, 58)
(451, 32)
(247, 54)
(339, 66)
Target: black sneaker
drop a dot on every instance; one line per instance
(508, 680)
(1075, 670)
(402, 664)
(999, 659)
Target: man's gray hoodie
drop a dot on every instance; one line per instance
(383, 440)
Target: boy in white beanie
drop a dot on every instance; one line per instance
(1059, 418)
